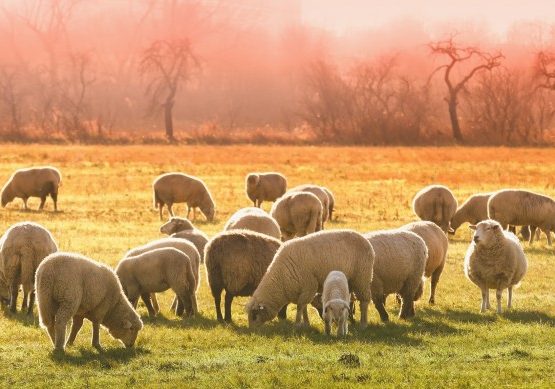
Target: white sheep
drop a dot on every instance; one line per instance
(262, 187)
(400, 259)
(494, 260)
(336, 300)
(33, 182)
(437, 204)
(172, 188)
(253, 219)
(71, 286)
(22, 248)
(157, 271)
(300, 268)
(178, 227)
(297, 214)
(319, 192)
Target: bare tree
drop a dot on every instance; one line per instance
(169, 63)
(10, 100)
(458, 56)
(545, 70)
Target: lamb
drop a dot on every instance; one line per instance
(70, 286)
(520, 207)
(494, 260)
(262, 187)
(297, 214)
(33, 182)
(331, 202)
(253, 219)
(437, 243)
(178, 227)
(180, 244)
(437, 204)
(398, 268)
(171, 188)
(157, 271)
(336, 300)
(22, 248)
(236, 260)
(319, 192)
(300, 267)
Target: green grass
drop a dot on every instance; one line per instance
(106, 209)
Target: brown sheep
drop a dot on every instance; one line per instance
(264, 187)
(33, 182)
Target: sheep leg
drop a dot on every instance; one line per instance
(170, 210)
(194, 305)
(188, 212)
(96, 336)
(179, 307)
(42, 201)
(14, 291)
(24, 302)
(160, 207)
(435, 279)
(380, 307)
(194, 213)
(282, 314)
(60, 322)
(155, 302)
(364, 313)
(510, 298)
(31, 303)
(186, 303)
(146, 299)
(173, 307)
(407, 307)
(217, 304)
(305, 315)
(52, 334)
(299, 316)
(548, 235)
(25, 203)
(484, 305)
(54, 196)
(227, 307)
(327, 327)
(498, 294)
(75, 328)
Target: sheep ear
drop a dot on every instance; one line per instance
(126, 324)
(472, 227)
(496, 227)
(451, 231)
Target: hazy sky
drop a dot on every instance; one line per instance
(344, 15)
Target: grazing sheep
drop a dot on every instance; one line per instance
(331, 202)
(172, 188)
(300, 268)
(398, 268)
(297, 214)
(437, 204)
(494, 260)
(253, 219)
(473, 210)
(182, 245)
(437, 243)
(72, 286)
(520, 208)
(157, 271)
(336, 302)
(22, 248)
(319, 192)
(264, 187)
(33, 182)
(178, 227)
(236, 260)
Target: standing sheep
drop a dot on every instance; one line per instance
(264, 187)
(300, 268)
(436, 242)
(253, 219)
(297, 214)
(172, 188)
(520, 208)
(336, 301)
(494, 260)
(157, 271)
(398, 268)
(22, 248)
(437, 204)
(178, 227)
(319, 192)
(236, 260)
(73, 286)
(33, 182)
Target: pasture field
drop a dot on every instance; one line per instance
(106, 208)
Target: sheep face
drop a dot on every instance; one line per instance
(258, 315)
(252, 181)
(336, 311)
(486, 233)
(175, 224)
(209, 212)
(127, 331)
(7, 195)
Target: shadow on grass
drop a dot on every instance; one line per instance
(199, 321)
(105, 358)
(525, 317)
(33, 211)
(21, 317)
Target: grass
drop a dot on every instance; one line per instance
(106, 208)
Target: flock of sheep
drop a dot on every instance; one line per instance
(276, 258)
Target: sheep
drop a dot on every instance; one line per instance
(157, 271)
(178, 227)
(319, 192)
(437, 204)
(297, 214)
(494, 260)
(336, 302)
(473, 210)
(253, 219)
(33, 182)
(331, 202)
(436, 242)
(236, 260)
(182, 245)
(70, 286)
(300, 267)
(398, 268)
(520, 207)
(171, 188)
(22, 247)
(262, 187)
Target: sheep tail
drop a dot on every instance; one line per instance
(315, 222)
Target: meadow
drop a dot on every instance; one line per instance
(106, 208)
